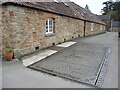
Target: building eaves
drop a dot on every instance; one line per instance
(72, 10)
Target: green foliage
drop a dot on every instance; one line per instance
(9, 51)
(108, 7)
(113, 9)
(114, 15)
(87, 7)
(116, 6)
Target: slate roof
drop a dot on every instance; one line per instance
(104, 17)
(71, 9)
(115, 24)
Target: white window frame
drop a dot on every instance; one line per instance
(48, 31)
(92, 26)
(101, 28)
(104, 28)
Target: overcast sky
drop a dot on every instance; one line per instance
(94, 5)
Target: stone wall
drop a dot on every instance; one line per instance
(97, 28)
(24, 29)
(0, 31)
(108, 23)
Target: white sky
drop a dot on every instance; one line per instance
(94, 5)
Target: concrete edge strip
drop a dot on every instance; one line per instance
(66, 44)
(38, 57)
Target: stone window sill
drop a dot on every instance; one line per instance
(50, 34)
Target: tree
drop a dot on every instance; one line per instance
(108, 7)
(87, 7)
(113, 9)
(116, 6)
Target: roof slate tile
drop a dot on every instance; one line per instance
(72, 10)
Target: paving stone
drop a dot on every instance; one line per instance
(38, 57)
(66, 44)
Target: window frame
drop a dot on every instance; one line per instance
(101, 28)
(92, 27)
(49, 28)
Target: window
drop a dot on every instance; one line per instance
(92, 26)
(104, 28)
(101, 27)
(56, 1)
(82, 14)
(49, 25)
(64, 2)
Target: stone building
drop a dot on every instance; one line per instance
(30, 26)
(107, 20)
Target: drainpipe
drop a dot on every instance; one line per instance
(111, 26)
(84, 28)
